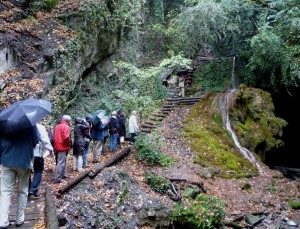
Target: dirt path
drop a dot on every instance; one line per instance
(270, 191)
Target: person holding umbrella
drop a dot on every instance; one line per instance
(62, 144)
(19, 135)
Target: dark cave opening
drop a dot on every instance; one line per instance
(286, 104)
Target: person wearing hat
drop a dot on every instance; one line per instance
(113, 132)
(62, 144)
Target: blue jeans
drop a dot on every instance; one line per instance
(113, 142)
(38, 167)
(85, 154)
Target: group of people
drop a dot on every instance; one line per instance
(24, 151)
(87, 131)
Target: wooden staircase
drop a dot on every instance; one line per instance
(170, 103)
(168, 106)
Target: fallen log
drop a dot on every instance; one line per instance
(52, 222)
(73, 182)
(92, 174)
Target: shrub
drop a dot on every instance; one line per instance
(204, 212)
(158, 184)
(148, 149)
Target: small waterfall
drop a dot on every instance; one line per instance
(224, 105)
(234, 80)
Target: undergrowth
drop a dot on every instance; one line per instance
(148, 150)
(204, 211)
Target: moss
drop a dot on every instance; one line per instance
(295, 205)
(254, 122)
(212, 143)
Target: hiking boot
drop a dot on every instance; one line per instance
(20, 224)
(96, 161)
(86, 166)
(34, 196)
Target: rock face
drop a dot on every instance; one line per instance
(252, 117)
(50, 56)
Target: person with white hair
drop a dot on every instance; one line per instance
(62, 144)
(133, 126)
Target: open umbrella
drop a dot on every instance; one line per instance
(97, 115)
(23, 114)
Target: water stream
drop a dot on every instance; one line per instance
(224, 105)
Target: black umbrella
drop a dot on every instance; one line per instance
(23, 114)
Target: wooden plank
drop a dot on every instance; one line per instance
(34, 209)
(30, 224)
(31, 216)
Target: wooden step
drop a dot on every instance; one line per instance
(144, 125)
(146, 130)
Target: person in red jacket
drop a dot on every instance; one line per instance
(62, 144)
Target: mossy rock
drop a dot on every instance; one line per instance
(253, 120)
(212, 143)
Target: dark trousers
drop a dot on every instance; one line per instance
(132, 136)
(38, 168)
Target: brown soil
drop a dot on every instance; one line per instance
(269, 191)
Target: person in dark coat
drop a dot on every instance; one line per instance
(122, 128)
(16, 156)
(105, 137)
(80, 132)
(88, 138)
(113, 132)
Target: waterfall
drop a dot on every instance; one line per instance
(234, 80)
(224, 105)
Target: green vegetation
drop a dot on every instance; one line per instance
(43, 5)
(254, 108)
(294, 205)
(263, 36)
(123, 194)
(203, 212)
(148, 150)
(211, 143)
(158, 184)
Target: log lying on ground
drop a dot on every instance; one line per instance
(73, 182)
(110, 162)
(52, 222)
